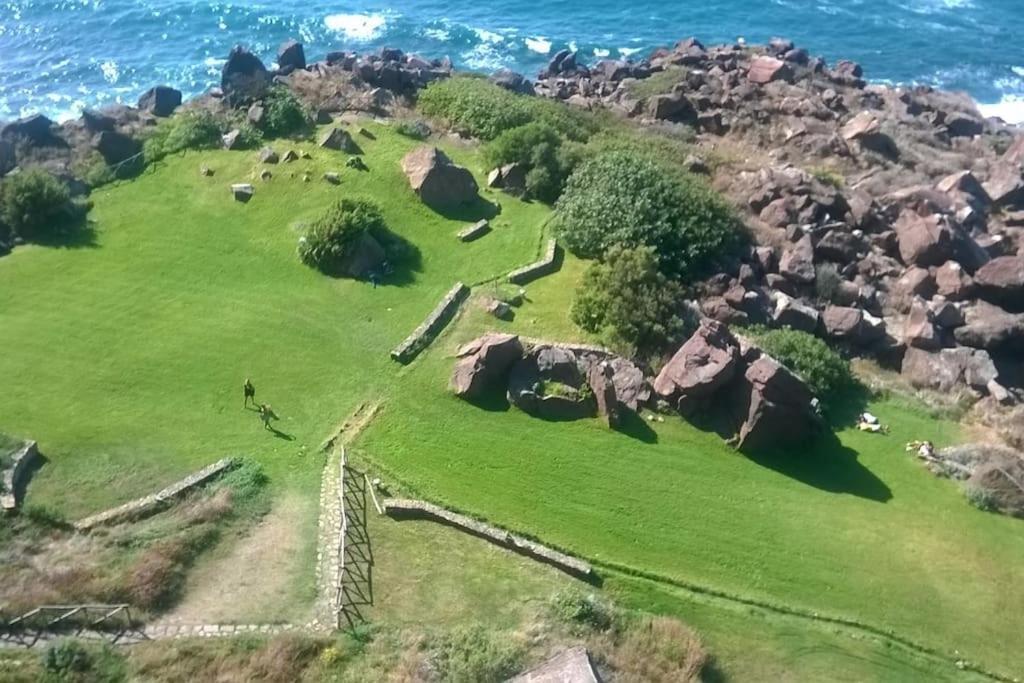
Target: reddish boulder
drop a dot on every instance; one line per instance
(864, 124)
(483, 362)
(952, 282)
(631, 387)
(990, 327)
(775, 406)
(1001, 281)
(703, 365)
(947, 369)
(918, 329)
(438, 181)
(797, 263)
(768, 69)
(923, 241)
(600, 380)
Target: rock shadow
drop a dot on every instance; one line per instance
(27, 475)
(826, 464)
(635, 426)
(478, 209)
(493, 400)
(404, 260)
(846, 407)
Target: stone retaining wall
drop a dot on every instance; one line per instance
(148, 505)
(578, 349)
(21, 461)
(545, 266)
(399, 508)
(429, 328)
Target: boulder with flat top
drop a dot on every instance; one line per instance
(438, 181)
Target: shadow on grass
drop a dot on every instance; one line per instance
(846, 407)
(479, 209)
(636, 427)
(494, 400)
(21, 486)
(76, 233)
(404, 259)
(828, 465)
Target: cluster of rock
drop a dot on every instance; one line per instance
(909, 247)
(762, 403)
(554, 382)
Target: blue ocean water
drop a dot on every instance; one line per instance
(58, 56)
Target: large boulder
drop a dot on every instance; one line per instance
(291, 56)
(1001, 281)
(161, 100)
(703, 365)
(947, 369)
(923, 241)
(852, 325)
(952, 282)
(671, 107)
(510, 80)
(340, 140)
(36, 130)
(775, 407)
(438, 181)
(797, 262)
(919, 330)
(990, 327)
(536, 386)
(631, 387)
(244, 78)
(790, 312)
(484, 363)
(116, 147)
(602, 386)
(767, 69)
(363, 257)
(1001, 477)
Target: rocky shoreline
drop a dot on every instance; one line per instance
(887, 220)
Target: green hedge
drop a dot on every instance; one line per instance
(825, 371)
(483, 110)
(624, 197)
(328, 241)
(34, 205)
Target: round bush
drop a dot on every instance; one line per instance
(625, 198)
(824, 370)
(283, 114)
(629, 304)
(329, 242)
(32, 204)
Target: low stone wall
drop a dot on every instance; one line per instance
(21, 461)
(153, 503)
(533, 342)
(405, 508)
(429, 328)
(545, 266)
(478, 229)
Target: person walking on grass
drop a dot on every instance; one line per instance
(266, 415)
(249, 393)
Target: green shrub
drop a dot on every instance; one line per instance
(34, 204)
(828, 176)
(583, 610)
(197, 129)
(45, 516)
(624, 198)
(481, 109)
(68, 660)
(328, 242)
(629, 304)
(981, 498)
(825, 371)
(475, 654)
(417, 130)
(283, 114)
(539, 148)
(248, 485)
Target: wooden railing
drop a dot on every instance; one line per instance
(110, 622)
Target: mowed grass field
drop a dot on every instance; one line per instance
(853, 528)
(124, 358)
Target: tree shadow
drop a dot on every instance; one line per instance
(478, 209)
(73, 232)
(826, 464)
(845, 408)
(635, 426)
(404, 259)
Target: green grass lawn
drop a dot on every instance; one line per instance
(855, 529)
(124, 358)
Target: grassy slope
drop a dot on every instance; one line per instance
(857, 529)
(125, 360)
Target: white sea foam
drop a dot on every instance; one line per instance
(1010, 109)
(356, 26)
(488, 36)
(601, 52)
(627, 51)
(110, 71)
(539, 44)
(437, 34)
